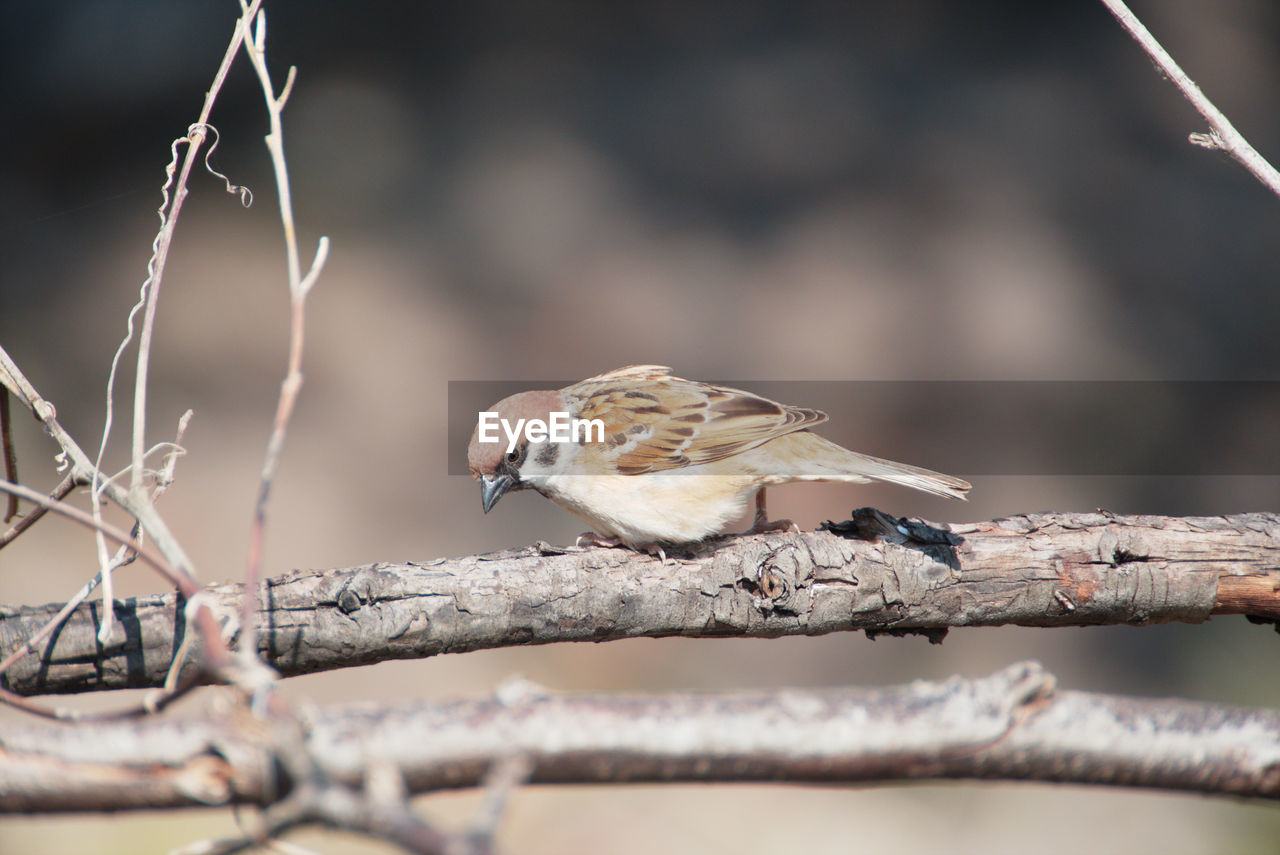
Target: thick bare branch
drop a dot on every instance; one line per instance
(1032, 570)
(1012, 725)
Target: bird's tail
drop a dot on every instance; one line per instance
(827, 461)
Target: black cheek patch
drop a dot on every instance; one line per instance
(547, 456)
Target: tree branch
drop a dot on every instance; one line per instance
(255, 47)
(1223, 135)
(1032, 570)
(1012, 725)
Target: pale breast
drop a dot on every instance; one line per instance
(659, 507)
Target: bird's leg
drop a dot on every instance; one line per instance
(762, 524)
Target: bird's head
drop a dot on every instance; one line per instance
(495, 459)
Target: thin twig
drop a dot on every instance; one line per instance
(179, 578)
(151, 704)
(35, 708)
(17, 383)
(123, 556)
(1223, 134)
(340, 807)
(299, 287)
(504, 777)
(82, 470)
(196, 137)
(150, 293)
(29, 646)
(60, 492)
(10, 456)
(217, 657)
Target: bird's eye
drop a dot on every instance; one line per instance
(513, 456)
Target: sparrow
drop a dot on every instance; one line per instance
(677, 460)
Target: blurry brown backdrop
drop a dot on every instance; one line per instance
(762, 190)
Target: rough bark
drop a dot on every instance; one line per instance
(1049, 569)
(1012, 725)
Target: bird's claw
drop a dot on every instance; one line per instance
(760, 526)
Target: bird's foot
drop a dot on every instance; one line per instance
(763, 526)
(590, 538)
(657, 552)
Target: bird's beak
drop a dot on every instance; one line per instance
(491, 489)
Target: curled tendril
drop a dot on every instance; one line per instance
(199, 129)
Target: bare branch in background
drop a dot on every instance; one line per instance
(1033, 570)
(1223, 134)
(1013, 725)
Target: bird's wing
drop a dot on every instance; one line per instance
(653, 421)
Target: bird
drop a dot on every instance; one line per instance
(671, 462)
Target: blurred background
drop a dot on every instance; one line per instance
(768, 191)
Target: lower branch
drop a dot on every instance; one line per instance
(1030, 570)
(1013, 725)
